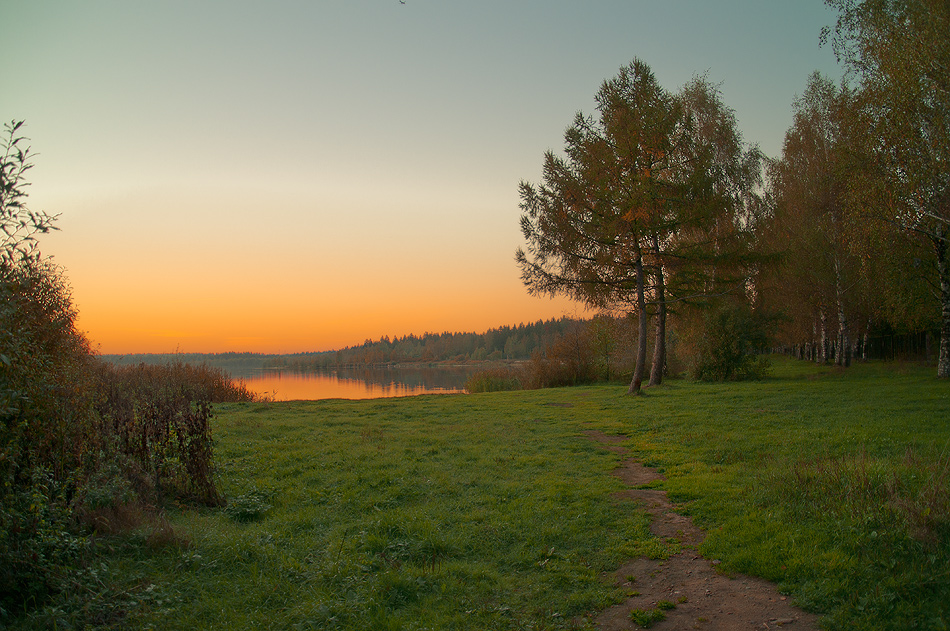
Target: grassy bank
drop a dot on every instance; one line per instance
(492, 511)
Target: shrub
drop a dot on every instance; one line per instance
(724, 348)
(84, 444)
(159, 416)
(569, 362)
(494, 379)
(79, 440)
(44, 416)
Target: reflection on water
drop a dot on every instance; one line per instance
(359, 383)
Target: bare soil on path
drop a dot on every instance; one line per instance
(703, 598)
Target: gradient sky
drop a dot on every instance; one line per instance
(291, 176)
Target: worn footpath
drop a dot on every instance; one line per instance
(689, 591)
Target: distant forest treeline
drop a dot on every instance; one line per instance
(506, 342)
(517, 342)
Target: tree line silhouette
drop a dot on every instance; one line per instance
(517, 342)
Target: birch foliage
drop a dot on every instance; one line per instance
(899, 52)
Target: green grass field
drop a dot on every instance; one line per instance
(493, 511)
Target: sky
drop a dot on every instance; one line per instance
(291, 176)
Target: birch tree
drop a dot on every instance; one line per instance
(812, 215)
(899, 51)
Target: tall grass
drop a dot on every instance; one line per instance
(554, 370)
(906, 499)
(495, 379)
(158, 417)
(103, 456)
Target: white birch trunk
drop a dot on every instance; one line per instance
(659, 346)
(843, 353)
(942, 250)
(867, 341)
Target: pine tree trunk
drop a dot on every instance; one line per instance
(659, 347)
(637, 380)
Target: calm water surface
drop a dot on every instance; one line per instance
(364, 383)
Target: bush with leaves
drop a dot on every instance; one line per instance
(45, 405)
(19, 224)
(159, 417)
(726, 344)
(44, 400)
(78, 436)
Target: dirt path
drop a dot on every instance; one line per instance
(703, 598)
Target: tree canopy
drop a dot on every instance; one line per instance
(644, 207)
(899, 52)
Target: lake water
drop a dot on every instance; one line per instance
(359, 383)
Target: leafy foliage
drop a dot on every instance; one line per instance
(649, 203)
(825, 275)
(79, 439)
(730, 343)
(43, 405)
(899, 53)
(18, 223)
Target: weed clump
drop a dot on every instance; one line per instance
(248, 506)
(646, 618)
(494, 379)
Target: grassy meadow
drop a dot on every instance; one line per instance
(493, 511)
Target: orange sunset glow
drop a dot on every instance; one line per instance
(293, 177)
